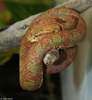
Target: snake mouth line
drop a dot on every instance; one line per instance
(43, 34)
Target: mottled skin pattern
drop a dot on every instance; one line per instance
(59, 28)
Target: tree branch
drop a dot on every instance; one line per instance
(12, 36)
(78, 5)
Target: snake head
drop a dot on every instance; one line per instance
(45, 27)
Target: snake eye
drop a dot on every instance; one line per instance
(36, 35)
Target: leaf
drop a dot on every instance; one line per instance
(7, 54)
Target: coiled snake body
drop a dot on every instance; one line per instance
(59, 28)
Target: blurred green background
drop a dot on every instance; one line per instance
(15, 10)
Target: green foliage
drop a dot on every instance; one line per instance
(46, 2)
(21, 11)
(61, 1)
(7, 54)
(2, 24)
(5, 16)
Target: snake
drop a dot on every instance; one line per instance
(57, 28)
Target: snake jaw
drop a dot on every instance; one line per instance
(41, 34)
(38, 37)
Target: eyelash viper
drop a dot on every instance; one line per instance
(59, 28)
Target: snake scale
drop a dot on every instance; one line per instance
(59, 28)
